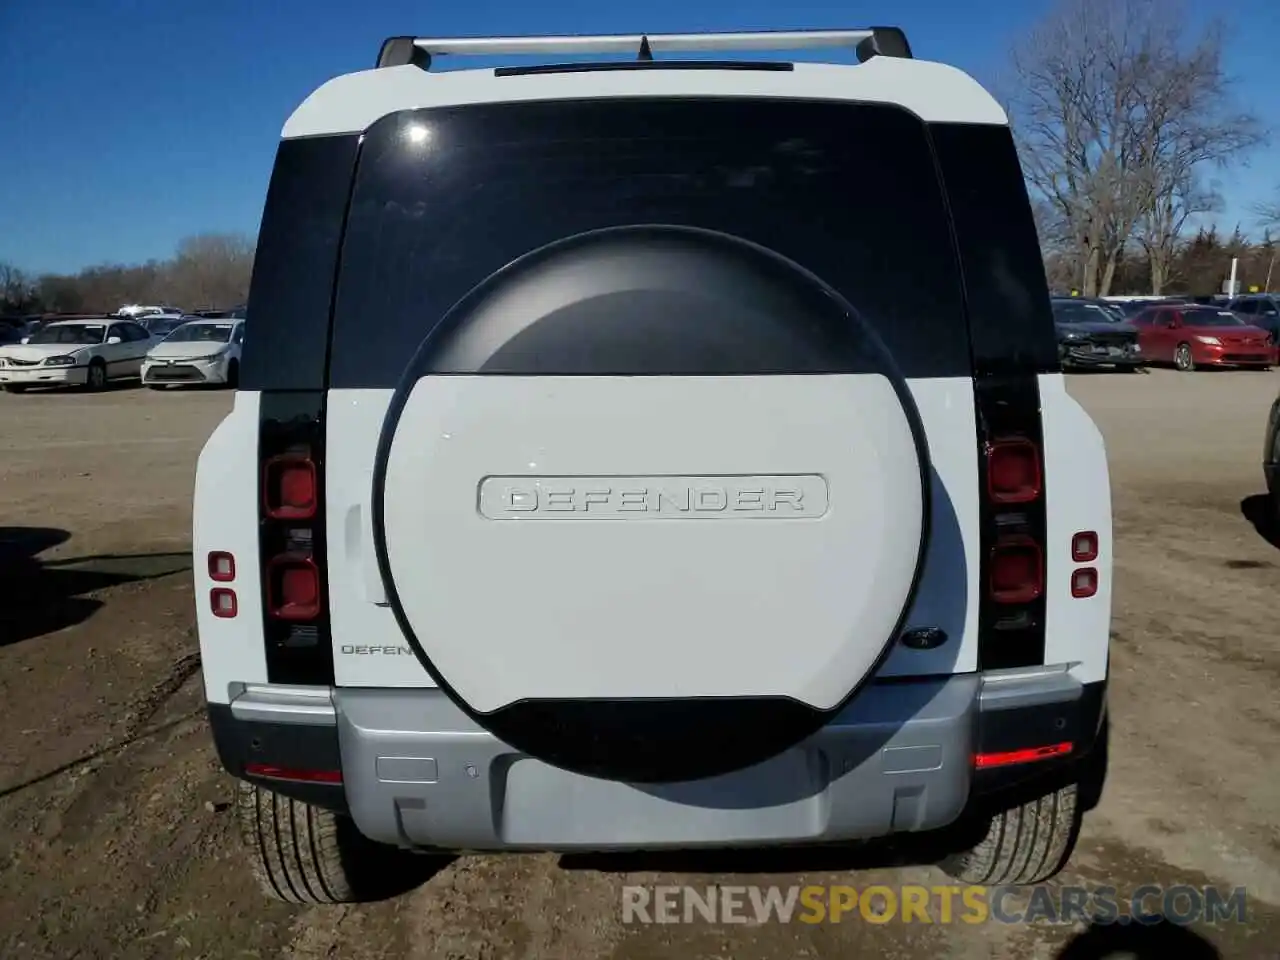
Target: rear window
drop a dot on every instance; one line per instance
(443, 198)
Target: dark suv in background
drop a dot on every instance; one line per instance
(1094, 333)
(1260, 310)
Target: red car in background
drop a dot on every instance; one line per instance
(1189, 335)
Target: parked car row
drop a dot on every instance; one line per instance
(93, 351)
(1186, 333)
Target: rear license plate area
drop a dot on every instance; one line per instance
(778, 799)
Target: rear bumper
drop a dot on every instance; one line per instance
(418, 772)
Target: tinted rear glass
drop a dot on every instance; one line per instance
(444, 198)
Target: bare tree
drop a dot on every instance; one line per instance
(208, 270)
(211, 269)
(16, 290)
(1115, 113)
(1268, 211)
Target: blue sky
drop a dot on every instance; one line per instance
(132, 123)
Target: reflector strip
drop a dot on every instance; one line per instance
(288, 773)
(985, 760)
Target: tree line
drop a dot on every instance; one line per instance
(210, 270)
(1124, 115)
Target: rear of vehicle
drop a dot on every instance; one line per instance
(591, 484)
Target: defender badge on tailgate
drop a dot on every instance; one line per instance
(794, 497)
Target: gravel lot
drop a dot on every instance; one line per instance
(116, 841)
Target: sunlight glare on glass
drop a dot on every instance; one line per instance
(417, 133)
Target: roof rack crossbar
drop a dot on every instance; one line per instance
(867, 42)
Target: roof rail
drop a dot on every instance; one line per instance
(866, 43)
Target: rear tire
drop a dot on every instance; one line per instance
(305, 854)
(15, 388)
(1028, 844)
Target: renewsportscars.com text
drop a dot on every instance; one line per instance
(915, 903)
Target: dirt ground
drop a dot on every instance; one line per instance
(116, 839)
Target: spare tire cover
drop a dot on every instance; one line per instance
(650, 503)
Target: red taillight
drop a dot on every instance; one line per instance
(293, 588)
(1017, 571)
(289, 488)
(223, 602)
(1084, 547)
(1084, 582)
(984, 760)
(222, 567)
(1013, 471)
(292, 773)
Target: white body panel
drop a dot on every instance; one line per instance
(369, 649)
(935, 92)
(1077, 499)
(226, 519)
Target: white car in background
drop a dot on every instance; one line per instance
(199, 351)
(136, 311)
(84, 352)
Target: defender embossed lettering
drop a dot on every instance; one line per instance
(796, 497)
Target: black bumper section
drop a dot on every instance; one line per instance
(1081, 722)
(294, 746)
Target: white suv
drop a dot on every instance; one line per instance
(652, 454)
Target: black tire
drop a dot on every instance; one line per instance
(1028, 844)
(155, 386)
(233, 375)
(1182, 358)
(96, 378)
(15, 388)
(305, 854)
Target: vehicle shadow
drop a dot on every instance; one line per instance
(53, 594)
(1257, 509)
(906, 850)
(1150, 937)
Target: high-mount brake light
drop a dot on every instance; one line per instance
(1013, 471)
(289, 487)
(1017, 571)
